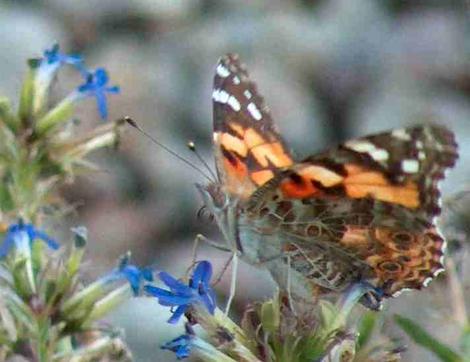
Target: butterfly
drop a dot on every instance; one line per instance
(363, 211)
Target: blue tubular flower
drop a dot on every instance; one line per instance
(181, 295)
(21, 236)
(180, 345)
(96, 85)
(45, 70)
(57, 59)
(51, 62)
(132, 273)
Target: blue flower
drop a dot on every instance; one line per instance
(134, 275)
(51, 62)
(54, 57)
(181, 295)
(21, 236)
(96, 85)
(180, 345)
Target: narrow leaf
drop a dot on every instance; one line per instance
(421, 337)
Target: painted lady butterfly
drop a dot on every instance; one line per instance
(362, 211)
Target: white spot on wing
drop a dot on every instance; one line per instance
(222, 71)
(236, 80)
(360, 146)
(379, 154)
(421, 155)
(427, 281)
(254, 111)
(419, 145)
(247, 94)
(220, 96)
(234, 103)
(410, 166)
(397, 293)
(401, 134)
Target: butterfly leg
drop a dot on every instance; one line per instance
(222, 272)
(289, 284)
(201, 238)
(214, 244)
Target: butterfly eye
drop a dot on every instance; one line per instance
(204, 213)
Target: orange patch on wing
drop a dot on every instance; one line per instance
(271, 153)
(321, 174)
(232, 143)
(261, 177)
(355, 236)
(237, 181)
(236, 169)
(363, 183)
(297, 190)
(253, 138)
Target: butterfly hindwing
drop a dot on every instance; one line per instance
(249, 150)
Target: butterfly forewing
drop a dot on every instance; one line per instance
(248, 147)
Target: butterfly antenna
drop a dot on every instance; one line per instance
(134, 124)
(192, 147)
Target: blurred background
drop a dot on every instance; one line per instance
(329, 70)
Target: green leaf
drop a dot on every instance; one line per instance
(6, 201)
(465, 341)
(6, 114)
(366, 327)
(424, 339)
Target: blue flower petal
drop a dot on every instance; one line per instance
(101, 77)
(166, 297)
(7, 245)
(133, 276)
(209, 302)
(101, 103)
(147, 274)
(113, 90)
(54, 56)
(181, 295)
(180, 345)
(175, 285)
(202, 274)
(178, 313)
(51, 243)
(96, 86)
(129, 272)
(16, 234)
